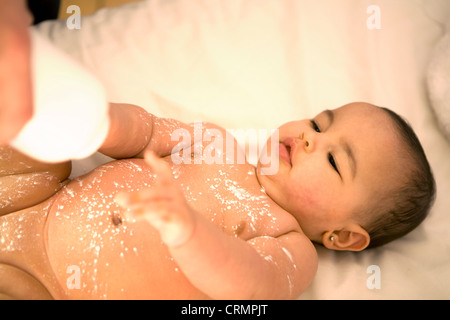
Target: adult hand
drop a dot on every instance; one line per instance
(16, 106)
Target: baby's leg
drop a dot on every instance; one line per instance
(25, 182)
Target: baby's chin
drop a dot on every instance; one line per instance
(267, 171)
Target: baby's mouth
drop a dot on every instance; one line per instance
(285, 152)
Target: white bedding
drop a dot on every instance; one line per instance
(259, 63)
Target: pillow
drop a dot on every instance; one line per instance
(438, 81)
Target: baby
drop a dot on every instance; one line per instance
(146, 227)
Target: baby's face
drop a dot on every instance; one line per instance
(331, 166)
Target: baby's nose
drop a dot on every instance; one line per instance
(307, 142)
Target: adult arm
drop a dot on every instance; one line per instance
(15, 78)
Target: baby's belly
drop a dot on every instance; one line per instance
(96, 253)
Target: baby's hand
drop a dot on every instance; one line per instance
(163, 205)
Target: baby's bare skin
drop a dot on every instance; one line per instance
(128, 260)
(82, 226)
(82, 232)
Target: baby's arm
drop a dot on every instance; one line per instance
(225, 267)
(133, 130)
(222, 266)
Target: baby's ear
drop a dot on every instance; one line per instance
(352, 238)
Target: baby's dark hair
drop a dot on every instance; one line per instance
(403, 209)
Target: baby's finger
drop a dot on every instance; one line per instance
(159, 167)
(151, 211)
(133, 198)
(127, 199)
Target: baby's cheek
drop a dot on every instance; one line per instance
(313, 197)
(309, 197)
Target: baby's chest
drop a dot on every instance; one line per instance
(231, 197)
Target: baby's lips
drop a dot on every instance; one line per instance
(284, 153)
(291, 143)
(288, 147)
